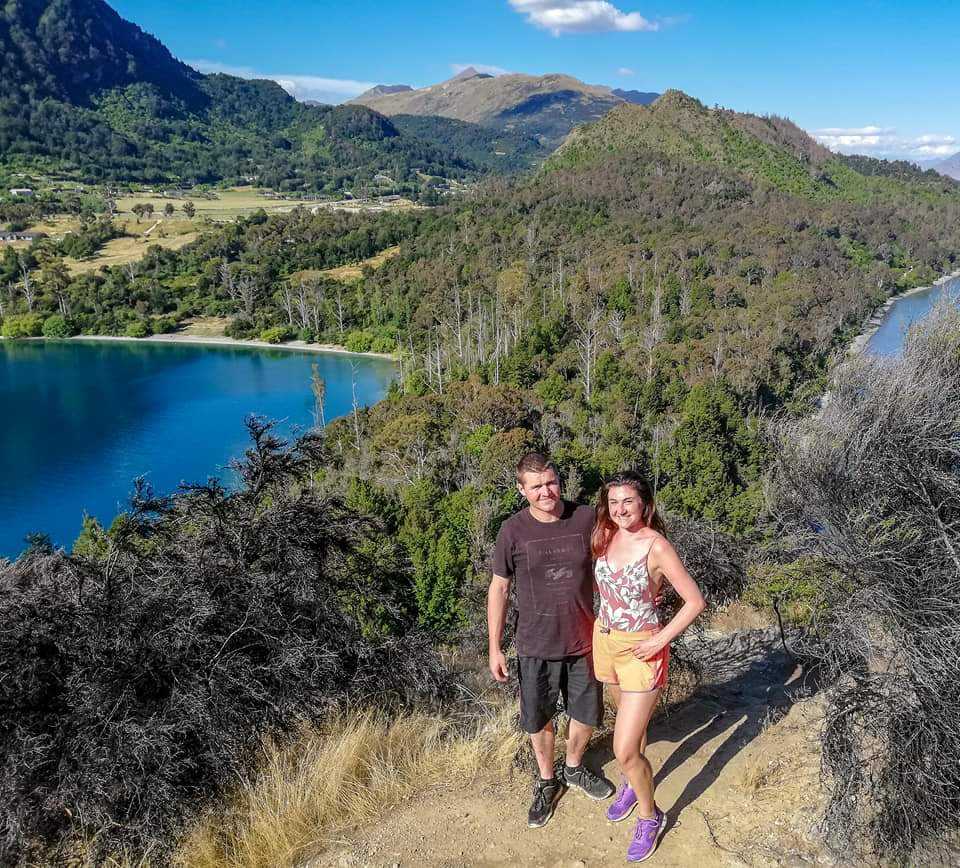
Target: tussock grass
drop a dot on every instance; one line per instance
(327, 779)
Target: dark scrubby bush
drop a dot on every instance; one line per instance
(241, 328)
(138, 329)
(137, 678)
(277, 334)
(870, 487)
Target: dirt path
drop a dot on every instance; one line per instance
(736, 768)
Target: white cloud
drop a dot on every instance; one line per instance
(479, 67)
(580, 16)
(885, 142)
(302, 87)
(625, 70)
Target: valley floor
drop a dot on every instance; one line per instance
(737, 769)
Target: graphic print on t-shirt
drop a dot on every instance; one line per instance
(551, 563)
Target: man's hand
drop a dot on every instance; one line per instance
(498, 666)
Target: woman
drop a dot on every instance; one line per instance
(631, 651)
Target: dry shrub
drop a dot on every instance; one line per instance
(138, 680)
(871, 487)
(346, 772)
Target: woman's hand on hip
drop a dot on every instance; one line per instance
(647, 648)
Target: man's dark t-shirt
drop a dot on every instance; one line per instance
(551, 565)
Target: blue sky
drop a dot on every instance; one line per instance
(865, 76)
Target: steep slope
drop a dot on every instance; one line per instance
(497, 151)
(85, 92)
(548, 106)
(71, 50)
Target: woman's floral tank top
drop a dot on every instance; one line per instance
(626, 595)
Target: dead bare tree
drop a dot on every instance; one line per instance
(29, 290)
(248, 291)
(588, 341)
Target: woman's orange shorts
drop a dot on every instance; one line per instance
(614, 661)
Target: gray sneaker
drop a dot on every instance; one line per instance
(594, 785)
(546, 794)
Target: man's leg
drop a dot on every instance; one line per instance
(543, 742)
(583, 696)
(578, 737)
(539, 689)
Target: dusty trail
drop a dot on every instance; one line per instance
(736, 768)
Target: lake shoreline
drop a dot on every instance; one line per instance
(872, 323)
(218, 341)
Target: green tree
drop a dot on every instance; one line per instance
(27, 325)
(56, 326)
(435, 533)
(712, 462)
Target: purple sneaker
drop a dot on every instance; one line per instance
(623, 804)
(645, 837)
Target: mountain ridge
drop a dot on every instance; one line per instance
(949, 167)
(548, 106)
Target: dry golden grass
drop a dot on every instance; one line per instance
(344, 774)
(345, 273)
(740, 616)
(205, 326)
(227, 205)
(119, 251)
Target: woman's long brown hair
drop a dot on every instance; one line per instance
(605, 527)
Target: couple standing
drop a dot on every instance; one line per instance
(556, 552)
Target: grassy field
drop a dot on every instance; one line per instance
(227, 205)
(119, 251)
(177, 231)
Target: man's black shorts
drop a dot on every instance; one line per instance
(542, 681)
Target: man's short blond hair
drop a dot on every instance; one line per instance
(535, 462)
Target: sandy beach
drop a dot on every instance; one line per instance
(875, 320)
(214, 340)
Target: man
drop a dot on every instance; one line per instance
(545, 548)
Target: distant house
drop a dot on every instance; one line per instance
(21, 236)
(24, 192)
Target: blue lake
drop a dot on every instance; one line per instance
(888, 339)
(83, 419)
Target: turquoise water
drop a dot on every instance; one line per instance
(888, 339)
(83, 419)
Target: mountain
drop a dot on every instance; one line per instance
(85, 92)
(769, 150)
(637, 97)
(383, 90)
(949, 167)
(548, 106)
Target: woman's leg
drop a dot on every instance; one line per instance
(634, 711)
(615, 694)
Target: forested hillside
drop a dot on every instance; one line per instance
(673, 273)
(85, 93)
